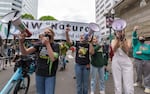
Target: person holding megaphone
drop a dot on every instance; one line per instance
(122, 67)
(47, 60)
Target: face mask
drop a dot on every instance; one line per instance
(49, 36)
(142, 40)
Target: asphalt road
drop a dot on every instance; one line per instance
(65, 84)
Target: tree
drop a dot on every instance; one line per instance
(27, 16)
(45, 18)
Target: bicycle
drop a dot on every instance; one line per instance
(20, 80)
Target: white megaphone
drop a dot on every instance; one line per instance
(16, 21)
(93, 27)
(14, 17)
(119, 24)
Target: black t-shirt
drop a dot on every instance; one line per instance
(82, 53)
(42, 68)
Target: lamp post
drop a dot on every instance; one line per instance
(109, 21)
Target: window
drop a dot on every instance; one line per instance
(16, 5)
(19, 1)
(107, 7)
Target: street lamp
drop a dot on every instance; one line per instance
(109, 20)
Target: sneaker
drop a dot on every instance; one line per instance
(92, 93)
(102, 92)
(147, 90)
(136, 84)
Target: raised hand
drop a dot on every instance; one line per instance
(45, 40)
(136, 28)
(67, 29)
(21, 37)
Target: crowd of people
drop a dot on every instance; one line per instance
(7, 53)
(141, 54)
(91, 58)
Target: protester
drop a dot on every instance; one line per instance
(122, 67)
(1, 51)
(98, 63)
(141, 53)
(82, 60)
(63, 51)
(1, 46)
(47, 61)
(10, 54)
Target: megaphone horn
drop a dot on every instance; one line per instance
(93, 27)
(20, 25)
(119, 24)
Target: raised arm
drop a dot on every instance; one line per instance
(23, 49)
(126, 45)
(115, 45)
(67, 36)
(134, 36)
(91, 50)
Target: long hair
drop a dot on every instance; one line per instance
(53, 34)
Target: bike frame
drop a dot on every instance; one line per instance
(14, 79)
(12, 82)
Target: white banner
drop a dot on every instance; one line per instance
(37, 27)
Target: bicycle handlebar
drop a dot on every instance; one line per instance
(25, 63)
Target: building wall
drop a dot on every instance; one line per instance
(136, 15)
(25, 6)
(101, 7)
(8, 5)
(30, 7)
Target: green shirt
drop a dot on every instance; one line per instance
(138, 46)
(64, 48)
(98, 59)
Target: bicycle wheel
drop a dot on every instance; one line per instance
(22, 86)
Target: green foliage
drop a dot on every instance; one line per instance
(46, 18)
(27, 16)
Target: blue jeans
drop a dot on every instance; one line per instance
(45, 85)
(63, 61)
(82, 78)
(100, 71)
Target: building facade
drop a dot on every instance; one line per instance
(102, 7)
(30, 7)
(25, 6)
(135, 12)
(9, 5)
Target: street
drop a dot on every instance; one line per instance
(65, 84)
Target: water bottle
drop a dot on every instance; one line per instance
(106, 75)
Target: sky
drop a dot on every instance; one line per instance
(68, 10)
